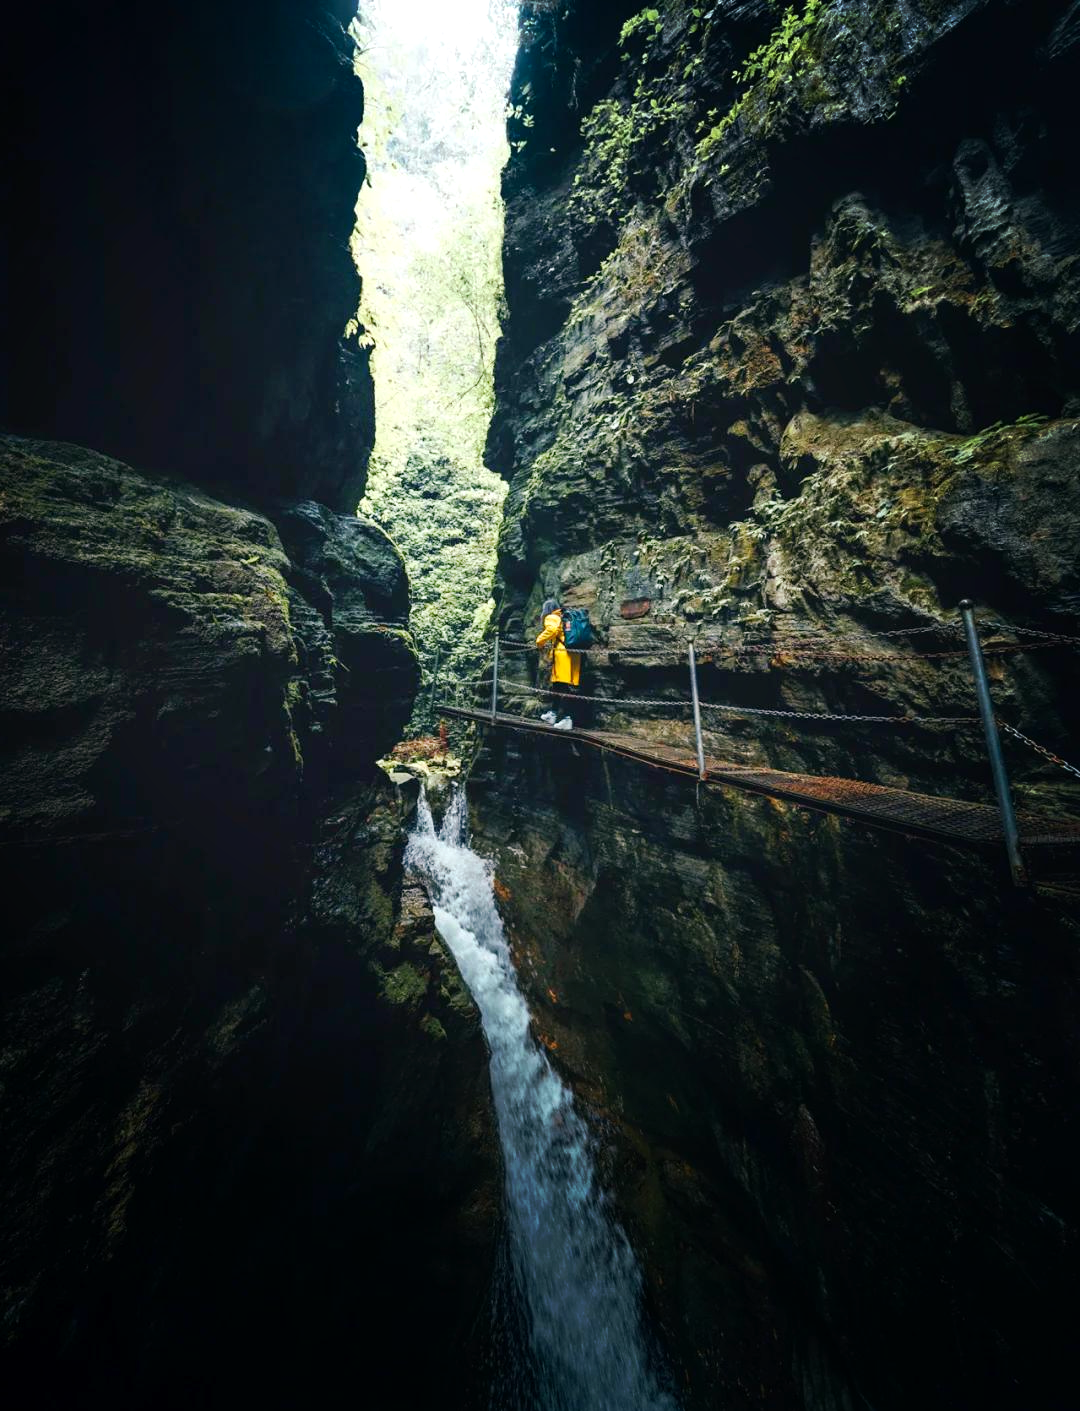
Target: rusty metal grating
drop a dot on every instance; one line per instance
(899, 810)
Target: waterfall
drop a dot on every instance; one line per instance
(574, 1271)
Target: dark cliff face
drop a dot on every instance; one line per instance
(796, 352)
(231, 1049)
(249, 1149)
(177, 232)
(831, 1073)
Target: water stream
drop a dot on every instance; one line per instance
(576, 1280)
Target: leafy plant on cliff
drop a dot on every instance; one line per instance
(615, 131)
(621, 131)
(970, 448)
(768, 71)
(637, 23)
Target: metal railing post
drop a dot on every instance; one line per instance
(434, 681)
(993, 745)
(697, 714)
(495, 682)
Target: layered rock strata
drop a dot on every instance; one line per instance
(790, 365)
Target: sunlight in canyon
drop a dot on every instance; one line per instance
(428, 243)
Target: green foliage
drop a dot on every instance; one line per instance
(646, 19)
(796, 67)
(622, 133)
(609, 136)
(970, 448)
(404, 985)
(444, 515)
(615, 131)
(428, 246)
(767, 71)
(773, 61)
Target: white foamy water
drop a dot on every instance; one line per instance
(575, 1273)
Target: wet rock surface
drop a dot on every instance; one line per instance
(349, 599)
(830, 1075)
(791, 360)
(168, 663)
(232, 1047)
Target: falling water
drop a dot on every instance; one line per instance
(575, 1274)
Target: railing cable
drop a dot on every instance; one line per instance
(1041, 749)
(653, 701)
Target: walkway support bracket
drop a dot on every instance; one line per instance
(495, 683)
(993, 746)
(697, 714)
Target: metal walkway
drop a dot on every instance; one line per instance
(897, 810)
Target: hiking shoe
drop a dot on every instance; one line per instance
(564, 724)
(548, 717)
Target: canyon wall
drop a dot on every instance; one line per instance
(791, 356)
(180, 207)
(249, 1150)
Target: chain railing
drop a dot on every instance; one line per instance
(1061, 637)
(658, 702)
(786, 639)
(1041, 749)
(793, 651)
(785, 654)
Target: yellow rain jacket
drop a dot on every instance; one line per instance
(565, 666)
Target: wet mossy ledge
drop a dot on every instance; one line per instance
(142, 612)
(791, 356)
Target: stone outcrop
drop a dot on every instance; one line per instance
(169, 665)
(792, 350)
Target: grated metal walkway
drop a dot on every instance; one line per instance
(897, 810)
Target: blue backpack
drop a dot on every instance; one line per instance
(577, 629)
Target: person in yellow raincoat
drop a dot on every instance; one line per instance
(565, 665)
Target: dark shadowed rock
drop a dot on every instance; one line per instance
(245, 1093)
(363, 571)
(349, 599)
(165, 654)
(149, 651)
(176, 241)
(249, 1153)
